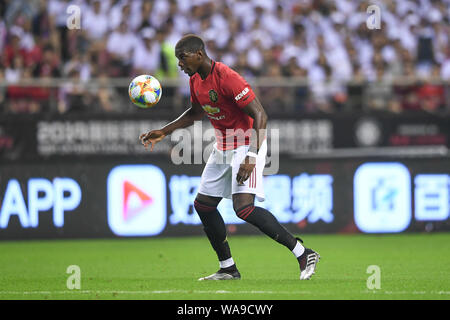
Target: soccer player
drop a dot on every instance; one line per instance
(235, 167)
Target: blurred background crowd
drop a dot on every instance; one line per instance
(300, 55)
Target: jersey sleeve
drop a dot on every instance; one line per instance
(236, 88)
(193, 97)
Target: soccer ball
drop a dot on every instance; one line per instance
(145, 91)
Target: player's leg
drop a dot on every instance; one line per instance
(264, 220)
(243, 204)
(214, 185)
(215, 230)
(214, 227)
(244, 197)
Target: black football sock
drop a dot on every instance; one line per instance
(228, 269)
(215, 230)
(268, 224)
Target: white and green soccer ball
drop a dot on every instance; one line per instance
(145, 91)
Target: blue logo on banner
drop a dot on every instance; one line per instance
(382, 197)
(431, 201)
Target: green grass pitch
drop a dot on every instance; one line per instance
(413, 266)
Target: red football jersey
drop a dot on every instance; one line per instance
(222, 96)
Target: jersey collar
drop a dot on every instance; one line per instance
(213, 64)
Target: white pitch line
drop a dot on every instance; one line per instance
(143, 292)
(150, 292)
(406, 292)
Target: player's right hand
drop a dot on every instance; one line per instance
(151, 137)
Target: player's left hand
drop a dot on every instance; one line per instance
(246, 169)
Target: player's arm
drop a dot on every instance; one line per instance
(186, 119)
(255, 110)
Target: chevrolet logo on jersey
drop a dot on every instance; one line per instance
(210, 110)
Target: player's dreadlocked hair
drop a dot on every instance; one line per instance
(190, 43)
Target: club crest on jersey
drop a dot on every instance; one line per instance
(210, 110)
(213, 96)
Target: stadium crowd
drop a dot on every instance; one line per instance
(339, 63)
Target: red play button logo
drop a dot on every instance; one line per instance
(137, 204)
(131, 193)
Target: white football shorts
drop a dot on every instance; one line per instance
(220, 172)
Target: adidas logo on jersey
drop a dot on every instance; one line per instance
(243, 93)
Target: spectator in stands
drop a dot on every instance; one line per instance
(406, 90)
(41, 21)
(2, 93)
(328, 94)
(147, 53)
(300, 92)
(355, 89)
(105, 97)
(80, 63)
(274, 97)
(445, 71)
(13, 49)
(14, 71)
(48, 67)
(277, 24)
(120, 46)
(431, 95)
(168, 63)
(74, 96)
(21, 99)
(29, 99)
(119, 13)
(95, 22)
(145, 15)
(255, 58)
(248, 35)
(44, 70)
(378, 93)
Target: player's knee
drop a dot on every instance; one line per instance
(203, 207)
(241, 200)
(244, 211)
(238, 206)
